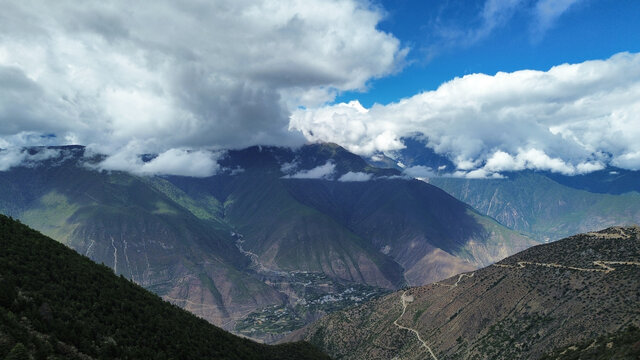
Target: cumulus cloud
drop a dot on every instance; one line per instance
(419, 172)
(325, 171)
(171, 162)
(537, 159)
(355, 177)
(573, 118)
(161, 75)
(11, 158)
(14, 157)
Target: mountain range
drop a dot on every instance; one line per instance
(274, 240)
(546, 206)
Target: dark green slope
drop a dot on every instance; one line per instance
(55, 303)
(619, 345)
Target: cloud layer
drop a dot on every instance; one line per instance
(325, 171)
(352, 176)
(162, 75)
(199, 163)
(573, 118)
(19, 157)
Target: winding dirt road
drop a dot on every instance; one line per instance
(407, 299)
(460, 277)
(602, 266)
(404, 298)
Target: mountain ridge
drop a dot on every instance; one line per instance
(547, 297)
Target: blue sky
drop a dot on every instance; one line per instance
(589, 29)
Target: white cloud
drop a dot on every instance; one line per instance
(538, 160)
(289, 167)
(15, 157)
(454, 31)
(547, 12)
(419, 172)
(325, 171)
(10, 158)
(630, 160)
(573, 118)
(171, 162)
(355, 177)
(160, 75)
(495, 13)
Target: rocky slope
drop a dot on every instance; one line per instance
(562, 295)
(257, 241)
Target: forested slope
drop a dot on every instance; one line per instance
(54, 302)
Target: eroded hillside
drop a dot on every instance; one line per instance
(551, 296)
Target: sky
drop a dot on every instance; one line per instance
(494, 85)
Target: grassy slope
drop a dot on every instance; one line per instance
(56, 302)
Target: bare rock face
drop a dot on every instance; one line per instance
(436, 265)
(552, 296)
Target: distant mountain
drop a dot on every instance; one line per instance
(391, 220)
(538, 205)
(546, 206)
(574, 298)
(57, 304)
(415, 153)
(610, 180)
(276, 239)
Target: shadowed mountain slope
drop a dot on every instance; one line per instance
(351, 229)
